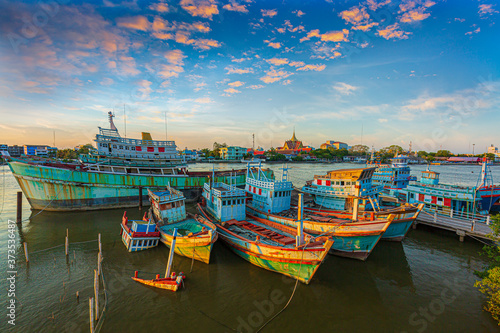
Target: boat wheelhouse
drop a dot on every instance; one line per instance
(225, 201)
(268, 195)
(139, 235)
(393, 176)
(339, 189)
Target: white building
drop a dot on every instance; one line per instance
(494, 150)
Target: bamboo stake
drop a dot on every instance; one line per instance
(171, 255)
(91, 308)
(26, 251)
(66, 243)
(96, 292)
(99, 259)
(100, 245)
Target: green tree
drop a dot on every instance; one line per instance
(443, 153)
(359, 150)
(490, 283)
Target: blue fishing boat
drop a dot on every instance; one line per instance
(353, 237)
(265, 244)
(351, 190)
(394, 176)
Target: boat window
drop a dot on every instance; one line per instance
(132, 148)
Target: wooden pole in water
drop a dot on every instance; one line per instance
(140, 197)
(300, 226)
(19, 207)
(99, 259)
(66, 243)
(100, 245)
(96, 293)
(26, 251)
(91, 310)
(171, 255)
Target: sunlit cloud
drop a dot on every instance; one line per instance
(236, 84)
(296, 63)
(275, 75)
(269, 12)
(393, 31)
(256, 86)
(469, 33)
(202, 8)
(299, 13)
(486, 9)
(278, 61)
(374, 5)
(161, 7)
(235, 7)
(232, 70)
(107, 81)
(134, 22)
(230, 91)
(330, 36)
(274, 45)
(317, 68)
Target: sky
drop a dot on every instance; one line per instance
(376, 72)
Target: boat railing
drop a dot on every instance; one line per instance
(137, 142)
(463, 216)
(272, 185)
(461, 189)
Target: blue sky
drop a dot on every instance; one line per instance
(379, 72)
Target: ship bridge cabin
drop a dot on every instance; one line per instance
(268, 195)
(168, 205)
(338, 189)
(111, 144)
(224, 201)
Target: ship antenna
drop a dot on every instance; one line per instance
(125, 120)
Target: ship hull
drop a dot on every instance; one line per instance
(61, 189)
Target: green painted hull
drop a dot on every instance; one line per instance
(60, 189)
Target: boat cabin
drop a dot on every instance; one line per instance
(430, 177)
(224, 201)
(268, 195)
(168, 205)
(139, 235)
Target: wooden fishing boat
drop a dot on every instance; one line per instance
(139, 235)
(196, 236)
(403, 217)
(353, 238)
(266, 244)
(171, 281)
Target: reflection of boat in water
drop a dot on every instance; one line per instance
(390, 263)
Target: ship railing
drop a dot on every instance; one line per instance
(137, 142)
(461, 189)
(313, 190)
(271, 185)
(462, 216)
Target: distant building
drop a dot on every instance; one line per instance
(335, 145)
(16, 151)
(39, 150)
(232, 153)
(292, 147)
(494, 150)
(190, 155)
(456, 159)
(4, 148)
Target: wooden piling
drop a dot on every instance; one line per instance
(26, 251)
(91, 312)
(140, 197)
(100, 245)
(99, 259)
(66, 243)
(96, 293)
(77, 295)
(19, 207)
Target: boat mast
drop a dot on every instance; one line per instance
(171, 255)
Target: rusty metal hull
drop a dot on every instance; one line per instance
(61, 189)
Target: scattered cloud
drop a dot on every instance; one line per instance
(393, 31)
(202, 8)
(299, 13)
(359, 18)
(236, 84)
(274, 75)
(232, 70)
(486, 9)
(240, 59)
(331, 36)
(256, 86)
(317, 68)
(235, 7)
(278, 61)
(203, 100)
(414, 15)
(134, 22)
(161, 7)
(107, 81)
(269, 12)
(274, 45)
(296, 63)
(374, 5)
(345, 88)
(473, 32)
(231, 91)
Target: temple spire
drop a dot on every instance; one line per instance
(293, 137)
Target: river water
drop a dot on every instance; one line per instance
(423, 284)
